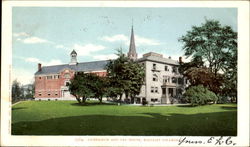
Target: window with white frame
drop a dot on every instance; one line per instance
(156, 89)
(56, 76)
(152, 89)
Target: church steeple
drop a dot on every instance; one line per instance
(132, 51)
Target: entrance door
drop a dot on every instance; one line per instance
(171, 92)
(66, 94)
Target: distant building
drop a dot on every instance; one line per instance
(162, 81)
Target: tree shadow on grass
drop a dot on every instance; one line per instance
(229, 107)
(92, 104)
(146, 124)
(18, 108)
(186, 106)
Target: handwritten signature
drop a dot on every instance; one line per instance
(212, 140)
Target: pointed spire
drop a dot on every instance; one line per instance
(132, 50)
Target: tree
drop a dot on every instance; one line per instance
(116, 74)
(17, 91)
(125, 76)
(135, 74)
(99, 86)
(215, 46)
(204, 76)
(80, 86)
(199, 95)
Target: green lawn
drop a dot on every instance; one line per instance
(69, 118)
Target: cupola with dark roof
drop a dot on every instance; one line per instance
(73, 60)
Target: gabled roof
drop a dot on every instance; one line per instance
(84, 66)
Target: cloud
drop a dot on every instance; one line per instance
(44, 63)
(83, 50)
(139, 41)
(28, 39)
(119, 37)
(105, 57)
(21, 34)
(34, 40)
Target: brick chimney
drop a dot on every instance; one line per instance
(180, 59)
(39, 67)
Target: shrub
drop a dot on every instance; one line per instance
(199, 95)
(144, 102)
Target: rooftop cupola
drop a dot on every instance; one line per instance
(73, 60)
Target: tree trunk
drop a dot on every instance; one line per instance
(83, 100)
(120, 99)
(100, 99)
(79, 100)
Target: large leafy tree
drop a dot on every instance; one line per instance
(215, 46)
(116, 74)
(81, 86)
(214, 43)
(125, 76)
(135, 74)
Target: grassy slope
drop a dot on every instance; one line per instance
(68, 118)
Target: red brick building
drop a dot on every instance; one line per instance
(50, 81)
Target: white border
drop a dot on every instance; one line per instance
(243, 74)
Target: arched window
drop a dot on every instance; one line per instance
(67, 75)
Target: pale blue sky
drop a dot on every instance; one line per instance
(48, 34)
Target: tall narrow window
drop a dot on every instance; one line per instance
(166, 68)
(154, 66)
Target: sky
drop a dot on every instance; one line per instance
(47, 35)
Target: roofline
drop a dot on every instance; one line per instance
(146, 59)
(77, 63)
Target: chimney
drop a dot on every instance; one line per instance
(39, 67)
(180, 59)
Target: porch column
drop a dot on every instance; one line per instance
(167, 96)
